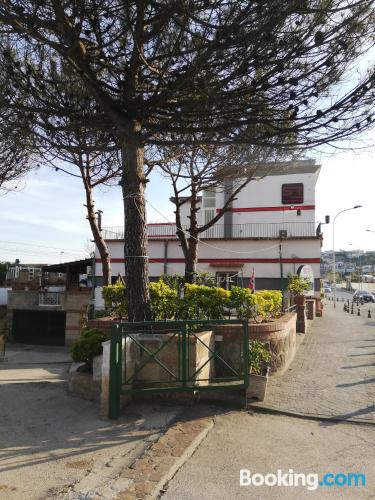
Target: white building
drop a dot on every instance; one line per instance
(270, 229)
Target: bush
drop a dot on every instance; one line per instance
(115, 296)
(273, 300)
(203, 302)
(297, 285)
(259, 306)
(259, 357)
(163, 301)
(88, 346)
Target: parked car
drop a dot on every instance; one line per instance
(327, 289)
(364, 295)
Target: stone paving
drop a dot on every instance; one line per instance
(333, 373)
(149, 473)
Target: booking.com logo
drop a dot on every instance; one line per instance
(297, 479)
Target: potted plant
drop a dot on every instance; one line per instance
(297, 286)
(259, 358)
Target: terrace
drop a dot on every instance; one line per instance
(276, 230)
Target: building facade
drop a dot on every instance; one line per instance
(269, 232)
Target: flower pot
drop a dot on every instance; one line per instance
(299, 300)
(257, 386)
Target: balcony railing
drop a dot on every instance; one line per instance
(271, 230)
(49, 298)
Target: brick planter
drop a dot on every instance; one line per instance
(279, 336)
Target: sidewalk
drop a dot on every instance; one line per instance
(333, 373)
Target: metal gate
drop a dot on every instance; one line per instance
(176, 356)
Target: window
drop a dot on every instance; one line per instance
(209, 198)
(292, 194)
(209, 205)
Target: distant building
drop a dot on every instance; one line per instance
(30, 276)
(42, 310)
(270, 230)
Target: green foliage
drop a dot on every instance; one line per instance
(116, 296)
(273, 300)
(259, 357)
(88, 346)
(259, 306)
(198, 301)
(174, 281)
(163, 300)
(203, 302)
(297, 285)
(177, 281)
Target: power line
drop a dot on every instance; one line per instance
(74, 250)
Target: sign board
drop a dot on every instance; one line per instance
(292, 194)
(306, 273)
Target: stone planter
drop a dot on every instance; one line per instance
(279, 336)
(82, 385)
(257, 386)
(97, 368)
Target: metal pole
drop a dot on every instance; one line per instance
(334, 263)
(333, 250)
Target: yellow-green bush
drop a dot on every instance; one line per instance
(259, 306)
(115, 296)
(203, 302)
(163, 301)
(199, 302)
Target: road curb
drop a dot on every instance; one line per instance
(149, 474)
(308, 416)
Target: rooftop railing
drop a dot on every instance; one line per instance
(268, 230)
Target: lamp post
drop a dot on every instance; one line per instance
(333, 249)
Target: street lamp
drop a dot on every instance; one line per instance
(333, 249)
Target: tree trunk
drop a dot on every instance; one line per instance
(191, 256)
(135, 247)
(191, 259)
(98, 238)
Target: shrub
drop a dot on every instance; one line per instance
(259, 306)
(88, 346)
(163, 300)
(297, 285)
(259, 357)
(115, 296)
(203, 302)
(273, 300)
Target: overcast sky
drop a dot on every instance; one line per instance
(47, 216)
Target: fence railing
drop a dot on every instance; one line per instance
(265, 230)
(49, 298)
(175, 356)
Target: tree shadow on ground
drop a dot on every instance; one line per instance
(369, 410)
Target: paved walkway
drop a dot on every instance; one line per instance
(333, 373)
(332, 376)
(53, 445)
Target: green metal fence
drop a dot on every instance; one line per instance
(176, 356)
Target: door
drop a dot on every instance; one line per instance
(39, 327)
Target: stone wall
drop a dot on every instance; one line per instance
(279, 336)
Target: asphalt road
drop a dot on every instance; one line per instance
(331, 381)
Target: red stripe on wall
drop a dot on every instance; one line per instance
(271, 209)
(294, 260)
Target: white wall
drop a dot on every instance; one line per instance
(233, 250)
(4, 296)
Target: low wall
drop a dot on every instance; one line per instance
(139, 367)
(279, 336)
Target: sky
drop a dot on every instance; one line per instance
(44, 222)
